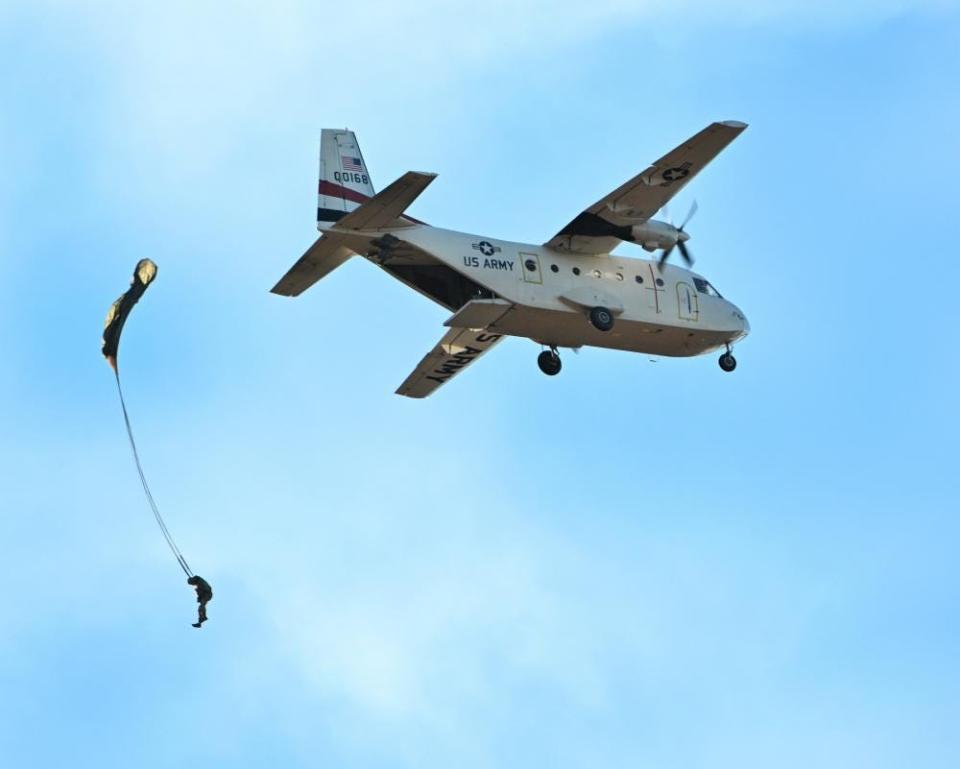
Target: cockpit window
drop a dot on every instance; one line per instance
(705, 288)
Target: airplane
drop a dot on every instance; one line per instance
(569, 292)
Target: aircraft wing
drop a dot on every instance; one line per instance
(595, 231)
(326, 254)
(457, 350)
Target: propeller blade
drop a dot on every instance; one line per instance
(680, 241)
(664, 256)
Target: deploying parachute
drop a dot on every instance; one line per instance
(143, 276)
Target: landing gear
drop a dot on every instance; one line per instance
(727, 362)
(601, 318)
(549, 362)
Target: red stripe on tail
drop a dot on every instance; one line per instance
(336, 191)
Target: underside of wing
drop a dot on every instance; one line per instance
(607, 222)
(458, 349)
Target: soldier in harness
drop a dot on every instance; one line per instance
(204, 596)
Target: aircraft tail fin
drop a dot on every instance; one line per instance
(344, 179)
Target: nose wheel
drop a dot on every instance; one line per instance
(727, 362)
(549, 362)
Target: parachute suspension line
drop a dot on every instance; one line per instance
(146, 488)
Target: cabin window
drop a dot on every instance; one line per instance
(619, 276)
(554, 268)
(638, 278)
(704, 287)
(659, 281)
(531, 265)
(576, 270)
(597, 274)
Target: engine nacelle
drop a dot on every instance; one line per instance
(653, 235)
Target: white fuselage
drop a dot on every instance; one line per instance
(546, 294)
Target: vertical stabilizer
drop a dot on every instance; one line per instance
(344, 179)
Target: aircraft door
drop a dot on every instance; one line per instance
(530, 264)
(688, 303)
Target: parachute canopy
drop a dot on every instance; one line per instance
(143, 276)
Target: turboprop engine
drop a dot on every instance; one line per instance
(654, 234)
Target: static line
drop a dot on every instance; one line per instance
(146, 488)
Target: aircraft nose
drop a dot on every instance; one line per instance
(741, 320)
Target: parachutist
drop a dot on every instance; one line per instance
(204, 596)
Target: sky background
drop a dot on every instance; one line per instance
(632, 564)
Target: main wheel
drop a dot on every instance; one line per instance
(549, 362)
(727, 362)
(601, 318)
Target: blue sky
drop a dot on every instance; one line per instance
(632, 564)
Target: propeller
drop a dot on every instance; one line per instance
(681, 241)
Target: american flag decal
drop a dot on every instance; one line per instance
(351, 164)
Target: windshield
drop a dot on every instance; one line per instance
(704, 287)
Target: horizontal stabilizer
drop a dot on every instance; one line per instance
(384, 208)
(457, 350)
(323, 257)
